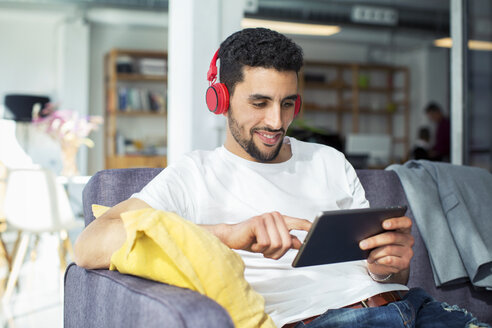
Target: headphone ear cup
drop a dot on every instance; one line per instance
(298, 105)
(217, 98)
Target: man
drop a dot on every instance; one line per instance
(259, 192)
(442, 140)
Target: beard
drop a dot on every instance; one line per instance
(249, 145)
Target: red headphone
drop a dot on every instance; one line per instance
(217, 95)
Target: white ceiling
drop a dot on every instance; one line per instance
(419, 21)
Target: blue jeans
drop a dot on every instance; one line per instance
(416, 309)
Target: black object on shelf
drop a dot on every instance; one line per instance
(124, 64)
(124, 68)
(314, 77)
(19, 107)
(329, 139)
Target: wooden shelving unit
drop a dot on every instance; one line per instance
(114, 112)
(349, 85)
(121, 162)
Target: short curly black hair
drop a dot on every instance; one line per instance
(256, 47)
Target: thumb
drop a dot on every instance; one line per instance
(296, 243)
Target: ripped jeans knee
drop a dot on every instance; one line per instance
(451, 308)
(472, 323)
(435, 314)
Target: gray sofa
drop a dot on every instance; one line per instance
(103, 298)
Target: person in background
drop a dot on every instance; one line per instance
(422, 144)
(440, 149)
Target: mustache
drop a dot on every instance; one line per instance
(267, 129)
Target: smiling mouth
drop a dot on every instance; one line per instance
(268, 138)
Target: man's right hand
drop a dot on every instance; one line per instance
(268, 234)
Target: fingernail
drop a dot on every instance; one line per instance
(387, 225)
(363, 244)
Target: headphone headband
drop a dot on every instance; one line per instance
(217, 95)
(212, 71)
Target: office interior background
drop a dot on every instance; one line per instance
(365, 84)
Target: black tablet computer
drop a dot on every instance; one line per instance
(335, 235)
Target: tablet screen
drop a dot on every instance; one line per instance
(335, 235)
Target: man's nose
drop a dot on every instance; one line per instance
(273, 117)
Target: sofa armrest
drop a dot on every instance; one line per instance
(103, 298)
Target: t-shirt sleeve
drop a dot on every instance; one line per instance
(358, 192)
(167, 192)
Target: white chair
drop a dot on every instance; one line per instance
(12, 154)
(34, 204)
(3, 225)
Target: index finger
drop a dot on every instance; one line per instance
(402, 223)
(297, 224)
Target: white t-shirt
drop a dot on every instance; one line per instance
(210, 187)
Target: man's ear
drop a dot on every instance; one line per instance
(226, 113)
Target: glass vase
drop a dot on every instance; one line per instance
(69, 159)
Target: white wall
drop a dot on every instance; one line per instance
(429, 77)
(73, 73)
(28, 56)
(48, 54)
(327, 50)
(28, 64)
(103, 38)
(429, 81)
(33, 66)
(196, 30)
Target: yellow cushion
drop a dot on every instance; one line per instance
(164, 247)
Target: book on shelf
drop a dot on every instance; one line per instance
(153, 66)
(140, 100)
(135, 103)
(122, 98)
(144, 98)
(157, 103)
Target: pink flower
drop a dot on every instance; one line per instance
(67, 126)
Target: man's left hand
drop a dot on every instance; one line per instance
(391, 250)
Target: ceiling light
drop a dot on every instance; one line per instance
(443, 43)
(291, 28)
(374, 15)
(472, 44)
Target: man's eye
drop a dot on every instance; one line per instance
(259, 105)
(288, 104)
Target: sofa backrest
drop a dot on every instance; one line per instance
(383, 188)
(109, 187)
